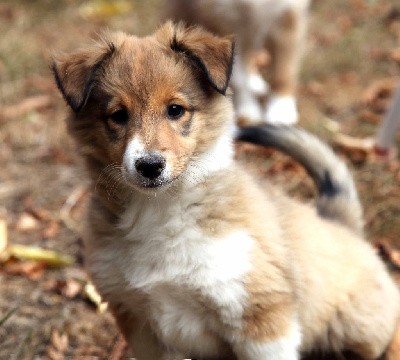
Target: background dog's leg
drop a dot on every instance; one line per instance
(285, 43)
(246, 102)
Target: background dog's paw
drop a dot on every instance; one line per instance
(257, 85)
(281, 110)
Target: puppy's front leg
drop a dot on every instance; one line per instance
(141, 340)
(146, 346)
(285, 347)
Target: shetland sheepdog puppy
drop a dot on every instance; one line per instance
(194, 257)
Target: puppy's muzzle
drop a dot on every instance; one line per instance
(150, 166)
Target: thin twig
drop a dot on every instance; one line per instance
(7, 316)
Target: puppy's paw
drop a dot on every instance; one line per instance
(281, 110)
(257, 85)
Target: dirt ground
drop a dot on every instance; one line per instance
(351, 66)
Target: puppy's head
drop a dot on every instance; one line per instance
(148, 106)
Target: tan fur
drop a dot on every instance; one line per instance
(304, 269)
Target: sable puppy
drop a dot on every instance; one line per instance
(278, 26)
(194, 258)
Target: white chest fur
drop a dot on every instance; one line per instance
(182, 271)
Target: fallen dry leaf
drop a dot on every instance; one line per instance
(379, 89)
(380, 105)
(53, 354)
(388, 156)
(357, 149)
(33, 218)
(27, 223)
(69, 288)
(40, 214)
(95, 298)
(59, 341)
(32, 269)
(71, 211)
(49, 257)
(52, 229)
(370, 116)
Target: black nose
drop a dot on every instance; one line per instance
(150, 166)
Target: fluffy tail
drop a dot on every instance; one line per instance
(338, 198)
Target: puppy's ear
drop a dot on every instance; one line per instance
(75, 73)
(211, 54)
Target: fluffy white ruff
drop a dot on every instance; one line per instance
(218, 157)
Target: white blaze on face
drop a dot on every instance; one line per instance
(133, 152)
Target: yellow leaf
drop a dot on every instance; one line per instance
(49, 257)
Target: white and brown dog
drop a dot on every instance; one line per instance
(278, 26)
(194, 257)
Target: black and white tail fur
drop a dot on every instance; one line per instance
(338, 198)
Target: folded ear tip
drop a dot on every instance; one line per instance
(75, 73)
(211, 54)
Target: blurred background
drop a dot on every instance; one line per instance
(349, 73)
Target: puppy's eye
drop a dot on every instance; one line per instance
(120, 116)
(175, 111)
